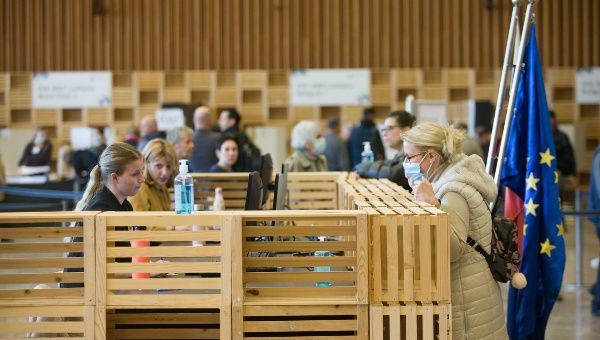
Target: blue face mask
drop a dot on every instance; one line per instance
(413, 171)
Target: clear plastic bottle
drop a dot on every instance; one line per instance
(184, 190)
(367, 154)
(319, 269)
(219, 202)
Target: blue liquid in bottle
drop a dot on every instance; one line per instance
(184, 190)
(321, 269)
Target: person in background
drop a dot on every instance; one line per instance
(249, 154)
(396, 123)
(131, 136)
(83, 161)
(227, 152)
(205, 141)
(309, 146)
(366, 131)
(38, 152)
(160, 162)
(182, 140)
(442, 175)
(565, 158)
(336, 150)
(485, 137)
(594, 204)
(148, 131)
(471, 146)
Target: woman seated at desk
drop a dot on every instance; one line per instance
(36, 156)
(161, 161)
(227, 153)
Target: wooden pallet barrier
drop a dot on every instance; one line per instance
(411, 321)
(313, 190)
(32, 301)
(234, 186)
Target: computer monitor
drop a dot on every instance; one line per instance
(254, 192)
(280, 193)
(266, 171)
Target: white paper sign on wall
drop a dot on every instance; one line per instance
(330, 87)
(51, 90)
(588, 86)
(167, 119)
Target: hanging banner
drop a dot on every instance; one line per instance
(587, 86)
(56, 90)
(330, 87)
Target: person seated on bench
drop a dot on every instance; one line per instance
(36, 156)
(161, 164)
(118, 175)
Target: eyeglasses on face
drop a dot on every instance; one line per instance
(408, 158)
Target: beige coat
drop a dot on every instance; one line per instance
(298, 162)
(464, 189)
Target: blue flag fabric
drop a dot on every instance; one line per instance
(530, 172)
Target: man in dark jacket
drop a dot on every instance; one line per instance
(366, 131)
(396, 123)
(565, 157)
(205, 141)
(249, 154)
(336, 151)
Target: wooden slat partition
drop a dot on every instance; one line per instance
(278, 270)
(31, 269)
(234, 187)
(180, 275)
(410, 320)
(313, 190)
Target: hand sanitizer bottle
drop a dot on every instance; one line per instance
(184, 190)
(322, 268)
(367, 154)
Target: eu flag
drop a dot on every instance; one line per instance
(529, 172)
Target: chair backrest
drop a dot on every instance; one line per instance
(313, 190)
(234, 186)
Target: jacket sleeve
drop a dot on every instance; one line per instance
(458, 219)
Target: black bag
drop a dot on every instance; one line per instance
(505, 259)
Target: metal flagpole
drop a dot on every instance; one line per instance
(513, 88)
(514, 21)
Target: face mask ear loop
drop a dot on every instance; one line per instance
(428, 169)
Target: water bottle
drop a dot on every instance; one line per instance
(367, 154)
(219, 202)
(320, 269)
(184, 190)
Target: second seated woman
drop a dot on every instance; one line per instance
(160, 161)
(227, 154)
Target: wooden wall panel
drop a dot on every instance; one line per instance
(283, 34)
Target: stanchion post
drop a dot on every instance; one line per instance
(578, 241)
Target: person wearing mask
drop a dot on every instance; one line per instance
(148, 131)
(249, 154)
(366, 131)
(182, 140)
(396, 123)
(37, 153)
(119, 174)
(205, 141)
(227, 153)
(336, 150)
(309, 146)
(160, 163)
(442, 175)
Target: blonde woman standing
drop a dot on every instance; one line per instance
(440, 174)
(161, 161)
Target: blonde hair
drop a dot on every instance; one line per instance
(441, 138)
(159, 148)
(114, 159)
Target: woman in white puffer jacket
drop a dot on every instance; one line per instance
(440, 174)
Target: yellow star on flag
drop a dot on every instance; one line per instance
(561, 229)
(530, 206)
(532, 182)
(524, 229)
(546, 157)
(546, 247)
(555, 176)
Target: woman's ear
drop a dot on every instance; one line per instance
(114, 177)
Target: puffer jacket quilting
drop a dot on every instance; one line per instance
(477, 311)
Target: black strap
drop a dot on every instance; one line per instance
(477, 247)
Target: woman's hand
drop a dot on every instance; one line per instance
(423, 191)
